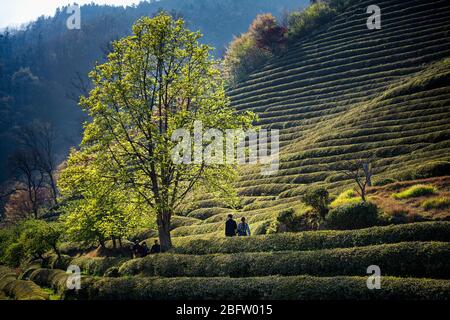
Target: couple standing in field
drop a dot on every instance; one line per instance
(232, 229)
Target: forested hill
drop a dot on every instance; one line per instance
(44, 66)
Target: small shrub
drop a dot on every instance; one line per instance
(28, 240)
(289, 221)
(261, 228)
(7, 236)
(36, 238)
(112, 272)
(436, 203)
(318, 199)
(346, 197)
(286, 216)
(433, 169)
(14, 254)
(415, 191)
(285, 222)
(428, 170)
(399, 217)
(300, 23)
(353, 216)
(273, 227)
(310, 220)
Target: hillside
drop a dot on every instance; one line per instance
(346, 93)
(341, 93)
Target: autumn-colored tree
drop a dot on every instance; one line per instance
(20, 205)
(264, 38)
(268, 34)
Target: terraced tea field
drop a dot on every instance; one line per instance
(311, 265)
(345, 93)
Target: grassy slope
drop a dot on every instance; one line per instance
(344, 93)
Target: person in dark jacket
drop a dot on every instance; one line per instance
(136, 249)
(144, 250)
(230, 226)
(156, 248)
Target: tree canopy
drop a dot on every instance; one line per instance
(156, 81)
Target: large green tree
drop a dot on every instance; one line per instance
(96, 208)
(156, 81)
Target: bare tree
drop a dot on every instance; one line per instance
(360, 171)
(29, 178)
(37, 145)
(33, 165)
(81, 87)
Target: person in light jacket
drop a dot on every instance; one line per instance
(243, 229)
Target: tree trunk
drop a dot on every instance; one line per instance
(164, 231)
(368, 174)
(101, 241)
(363, 193)
(33, 201)
(55, 248)
(54, 189)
